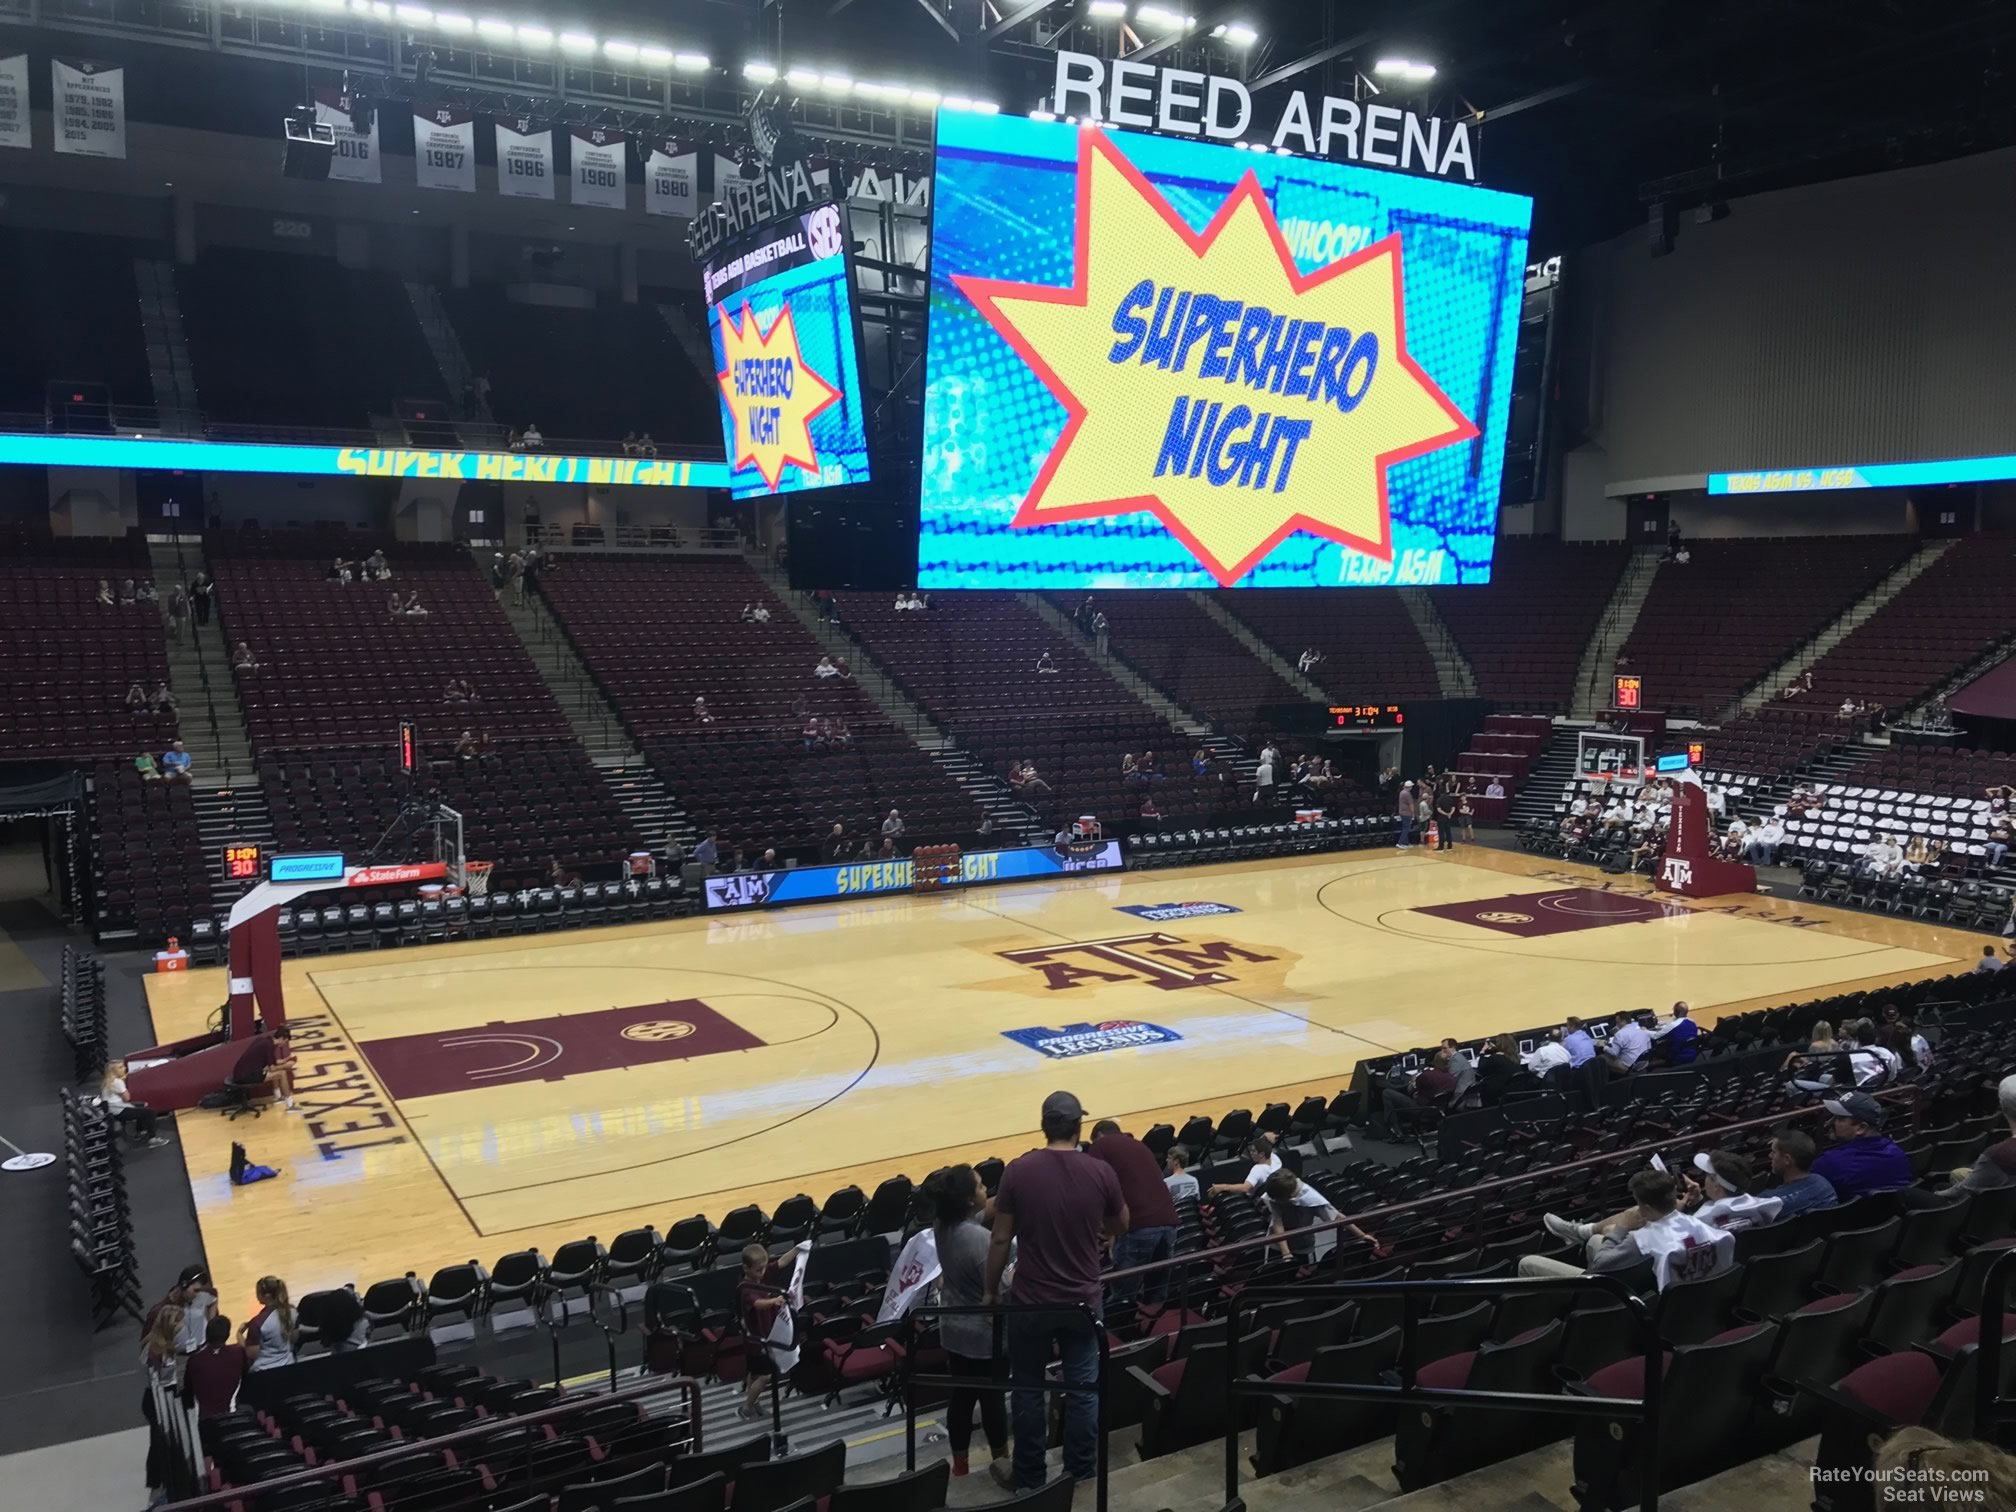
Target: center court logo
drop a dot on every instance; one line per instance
(1158, 960)
(1162, 913)
(1074, 1040)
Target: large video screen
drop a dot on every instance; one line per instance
(1160, 363)
(780, 312)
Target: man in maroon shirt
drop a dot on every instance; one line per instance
(1062, 1205)
(212, 1376)
(1432, 1087)
(1151, 1212)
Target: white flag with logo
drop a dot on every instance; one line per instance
(14, 127)
(911, 1277)
(671, 181)
(524, 160)
(597, 164)
(88, 101)
(444, 149)
(355, 160)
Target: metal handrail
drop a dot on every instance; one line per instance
(1988, 1355)
(488, 1428)
(1000, 1312)
(1644, 1409)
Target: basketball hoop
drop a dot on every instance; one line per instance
(477, 876)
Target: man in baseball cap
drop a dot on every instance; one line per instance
(1862, 1158)
(1059, 1207)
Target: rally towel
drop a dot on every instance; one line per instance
(915, 1272)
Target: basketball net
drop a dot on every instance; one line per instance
(477, 874)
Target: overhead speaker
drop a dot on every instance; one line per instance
(308, 150)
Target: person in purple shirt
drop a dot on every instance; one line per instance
(1059, 1208)
(1862, 1158)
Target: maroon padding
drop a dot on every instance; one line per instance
(1560, 912)
(1968, 1331)
(1626, 1378)
(1292, 1374)
(1898, 1387)
(1448, 1373)
(1170, 1376)
(1175, 1321)
(1739, 1333)
(1826, 1305)
(1912, 1273)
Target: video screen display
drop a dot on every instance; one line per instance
(780, 314)
(1159, 363)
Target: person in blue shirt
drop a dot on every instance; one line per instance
(1677, 1038)
(175, 762)
(1798, 1189)
(1862, 1158)
(1576, 1041)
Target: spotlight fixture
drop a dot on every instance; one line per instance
(1403, 70)
(1235, 34)
(1106, 10)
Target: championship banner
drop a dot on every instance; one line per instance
(1224, 368)
(524, 159)
(671, 180)
(726, 171)
(88, 102)
(598, 165)
(356, 156)
(806, 884)
(444, 149)
(14, 124)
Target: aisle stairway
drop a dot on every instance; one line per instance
(1599, 662)
(199, 672)
(1452, 668)
(1555, 768)
(1859, 613)
(1190, 725)
(1240, 631)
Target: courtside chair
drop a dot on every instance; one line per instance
(689, 1245)
(793, 1221)
(393, 1306)
(889, 1209)
(989, 1171)
(632, 1263)
(748, 1224)
(840, 1215)
(572, 1278)
(459, 1293)
(515, 1284)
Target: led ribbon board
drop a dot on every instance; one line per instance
(1163, 363)
(1874, 475)
(139, 452)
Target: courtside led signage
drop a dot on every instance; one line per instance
(1163, 363)
(315, 866)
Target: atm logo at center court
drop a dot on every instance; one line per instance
(1158, 960)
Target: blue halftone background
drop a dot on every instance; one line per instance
(824, 316)
(1004, 207)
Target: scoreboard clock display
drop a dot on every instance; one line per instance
(1630, 693)
(243, 863)
(1367, 716)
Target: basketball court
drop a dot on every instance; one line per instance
(465, 1100)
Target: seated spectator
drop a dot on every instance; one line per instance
(1129, 764)
(1266, 1162)
(630, 450)
(1146, 770)
(148, 594)
(892, 828)
(513, 441)
(838, 736)
(128, 594)
(1307, 661)
(105, 592)
(1432, 1087)
(1578, 1042)
(413, 609)
(376, 567)
(212, 1375)
(1295, 1207)
(1862, 1159)
(1764, 842)
(646, 447)
(825, 668)
(1498, 1068)
(534, 440)
(175, 762)
(269, 1059)
(1182, 1185)
(1148, 809)
(270, 1335)
(1797, 1189)
(136, 696)
(558, 875)
(162, 699)
(1678, 1038)
(1022, 777)
(459, 691)
(1679, 1245)
(701, 713)
(1549, 1055)
(1998, 843)
(1200, 762)
(886, 852)
(340, 1323)
(760, 614)
(141, 1119)
(1995, 1166)
(1722, 1193)
(242, 659)
(1989, 961)
(1046, 664)
(339, 572)
(1628, 1047)
(145, 765)
(466, 748)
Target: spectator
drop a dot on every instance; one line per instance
(887, 852)
(701, 713)
(212, 1376)
(1862, 1158)
(1547, 1056)
(1263, 780)
(892, 827)
(534, 439)
(707, 854)
(376, 567)
(1678, 1038)
(1295, 1207)
(1424, 806)
(1798, 1190)
(1151, 1230)
(128, 594)
(177, 612)
(1764, 842)
(1466, 817)
(1306, 662)
(1060, 1204)
(144, 765)
(340, 1322)
(630, 450)
(1445, 818)
(1628, 1047)
(759, 613)
(136, 696)
(1998, 842)
(175, 762)
(162, 699)
(825, 668)
(1916, 1467)
(1099, 631)
(835, 845)
(1575, 1039)
(269, 1058)
(1498, 1067)
(148, 593)
(1652, 1229)
(413, 609)
(1022, 777)
(1265, 1163)
(105, 592)
(1183, 1187)
(143, 1120)
(269, 1336)
(1995, 1166)
(1722, 1194)
(1046, 665)
(242, 659)
(757, 1304)
(160, 1366)
(459, 691)
(959, 1223)
(1404, 811)
(1433, 1086)
(675, 856)
(646, 447)
(560, 875)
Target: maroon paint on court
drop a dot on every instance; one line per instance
(1533, 914)
(550, 1049)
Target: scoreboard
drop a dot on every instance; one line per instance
(243, 862)
(1630, 693)
(1367, 716)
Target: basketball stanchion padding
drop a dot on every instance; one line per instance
(933, 867)
(476, 876)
